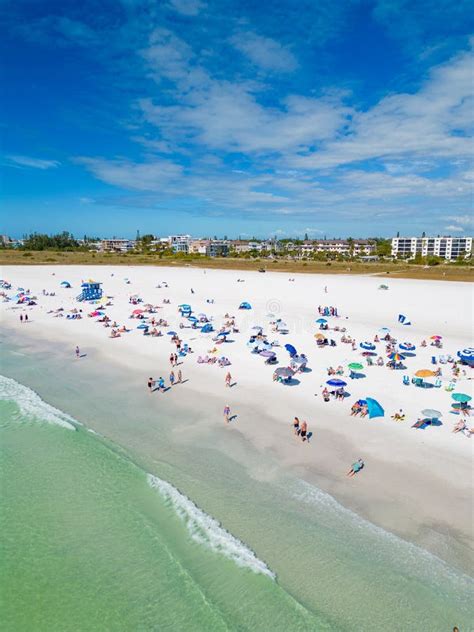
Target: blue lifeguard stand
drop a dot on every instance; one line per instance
(91, 291)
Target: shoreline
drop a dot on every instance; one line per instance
(399, 495)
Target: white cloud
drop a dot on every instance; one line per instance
(187, 7)
(34, 163)
(264, 51)
(454, 229)
(139, 176)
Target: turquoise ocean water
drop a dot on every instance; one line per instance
(110, 531)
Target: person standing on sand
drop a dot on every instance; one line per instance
(227, 413)
(172, 378)
(26, 318)
(304, 431)
(180, 376)
(150, 384)
(21, 318)
(78, 352)
(161, 385)
(172, 359)
(296, 426)
(228, 379)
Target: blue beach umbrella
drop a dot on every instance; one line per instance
(321, 321)
(374, 408)
(291, 350)
(467, 356)
(172, 333)
(368, 346)
(461, 397)
(336, 382)
(407, 346)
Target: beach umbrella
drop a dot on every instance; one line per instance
(361, 402)
(263, 346)
(396, 357)
(407, 346)
(185, 306)
(461, 397)
(374, 408)
(355, 366)
(257, 328)
(436, 337)
(366, 354)
(424, 373)
(367, 345)
(65, 284)
(299, 360)
(142, 326)
(321, 321)
(336, 382)
(284, 371)
(319, 336)
(280, 323)
(384, 330)
(430, 413)
(467, 356)
(266, 353)
(192, 319)
(291, 350)
(172, 333)
(137, 311)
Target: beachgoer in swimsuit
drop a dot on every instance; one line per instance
(150, 384)
(172, 378)
(227, 414)
(180, 376)
(304, 431)
(296, 426)
(78, 353)
(355, 468)
(228, 379)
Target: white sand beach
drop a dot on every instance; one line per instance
(416, 483)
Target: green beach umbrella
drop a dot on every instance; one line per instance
(461, 397)
(355, 366)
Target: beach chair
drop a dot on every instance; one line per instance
(406, 380)
(418, 381)
(437, 383)
(449, 387)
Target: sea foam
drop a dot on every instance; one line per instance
(31, 404)
(207, 531)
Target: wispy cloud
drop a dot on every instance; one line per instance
(264, 51)
(34, 163)
(187, 7)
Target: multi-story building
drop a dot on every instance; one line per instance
(116, 245)
(180, 243)
(217, 248)
(198, 246)
(355, 248)
(449, 248)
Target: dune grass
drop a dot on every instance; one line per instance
(445, 272)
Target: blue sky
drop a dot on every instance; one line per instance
(349, 118)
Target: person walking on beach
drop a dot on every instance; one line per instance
(296, 426)
(150, 384)
(161, 385)
(180, 376)
(228, 379)
(227, 413)
(26, 318)
(172, 359)
(304, 431)
(172, 378)
(21, 318)
(78, 352)
(356, 467)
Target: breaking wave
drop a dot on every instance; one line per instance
(207, 531)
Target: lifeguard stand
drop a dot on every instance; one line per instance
(91, 291)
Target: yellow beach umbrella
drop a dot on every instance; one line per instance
(319, 336)
(425, 373)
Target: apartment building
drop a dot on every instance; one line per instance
(198, 246)
(116, 245)
(449, 248)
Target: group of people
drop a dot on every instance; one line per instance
(327, 311)
(160, 382)
(301, 429)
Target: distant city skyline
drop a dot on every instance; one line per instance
(349, 118)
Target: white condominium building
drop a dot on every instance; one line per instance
(445, 247)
